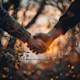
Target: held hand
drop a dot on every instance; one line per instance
(44, 37)
(37, 45)
(50, 36)
(41, 41)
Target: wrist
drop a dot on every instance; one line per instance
(53, 34)
(22, 34)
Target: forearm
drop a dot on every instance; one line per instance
(8, 24)
(70, 18)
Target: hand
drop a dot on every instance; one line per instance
(50, 36)
(37, 45)
(44, 37)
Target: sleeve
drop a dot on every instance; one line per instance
(9, 24)
(70, 18)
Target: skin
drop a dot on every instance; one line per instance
(40, 42)
(67, 21)
(9, 24)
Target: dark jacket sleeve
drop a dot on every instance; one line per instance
(9, 24)
(70, 18)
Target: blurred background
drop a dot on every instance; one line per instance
(61, 61)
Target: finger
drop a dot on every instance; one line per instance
(40, 50)
(34, 50)
(37, 36)
(37, 52)
(29, 46)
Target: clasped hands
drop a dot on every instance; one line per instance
(39, 43)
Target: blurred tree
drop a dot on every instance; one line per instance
(42, 5)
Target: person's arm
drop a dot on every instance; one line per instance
(70, 18)
(9, 24)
